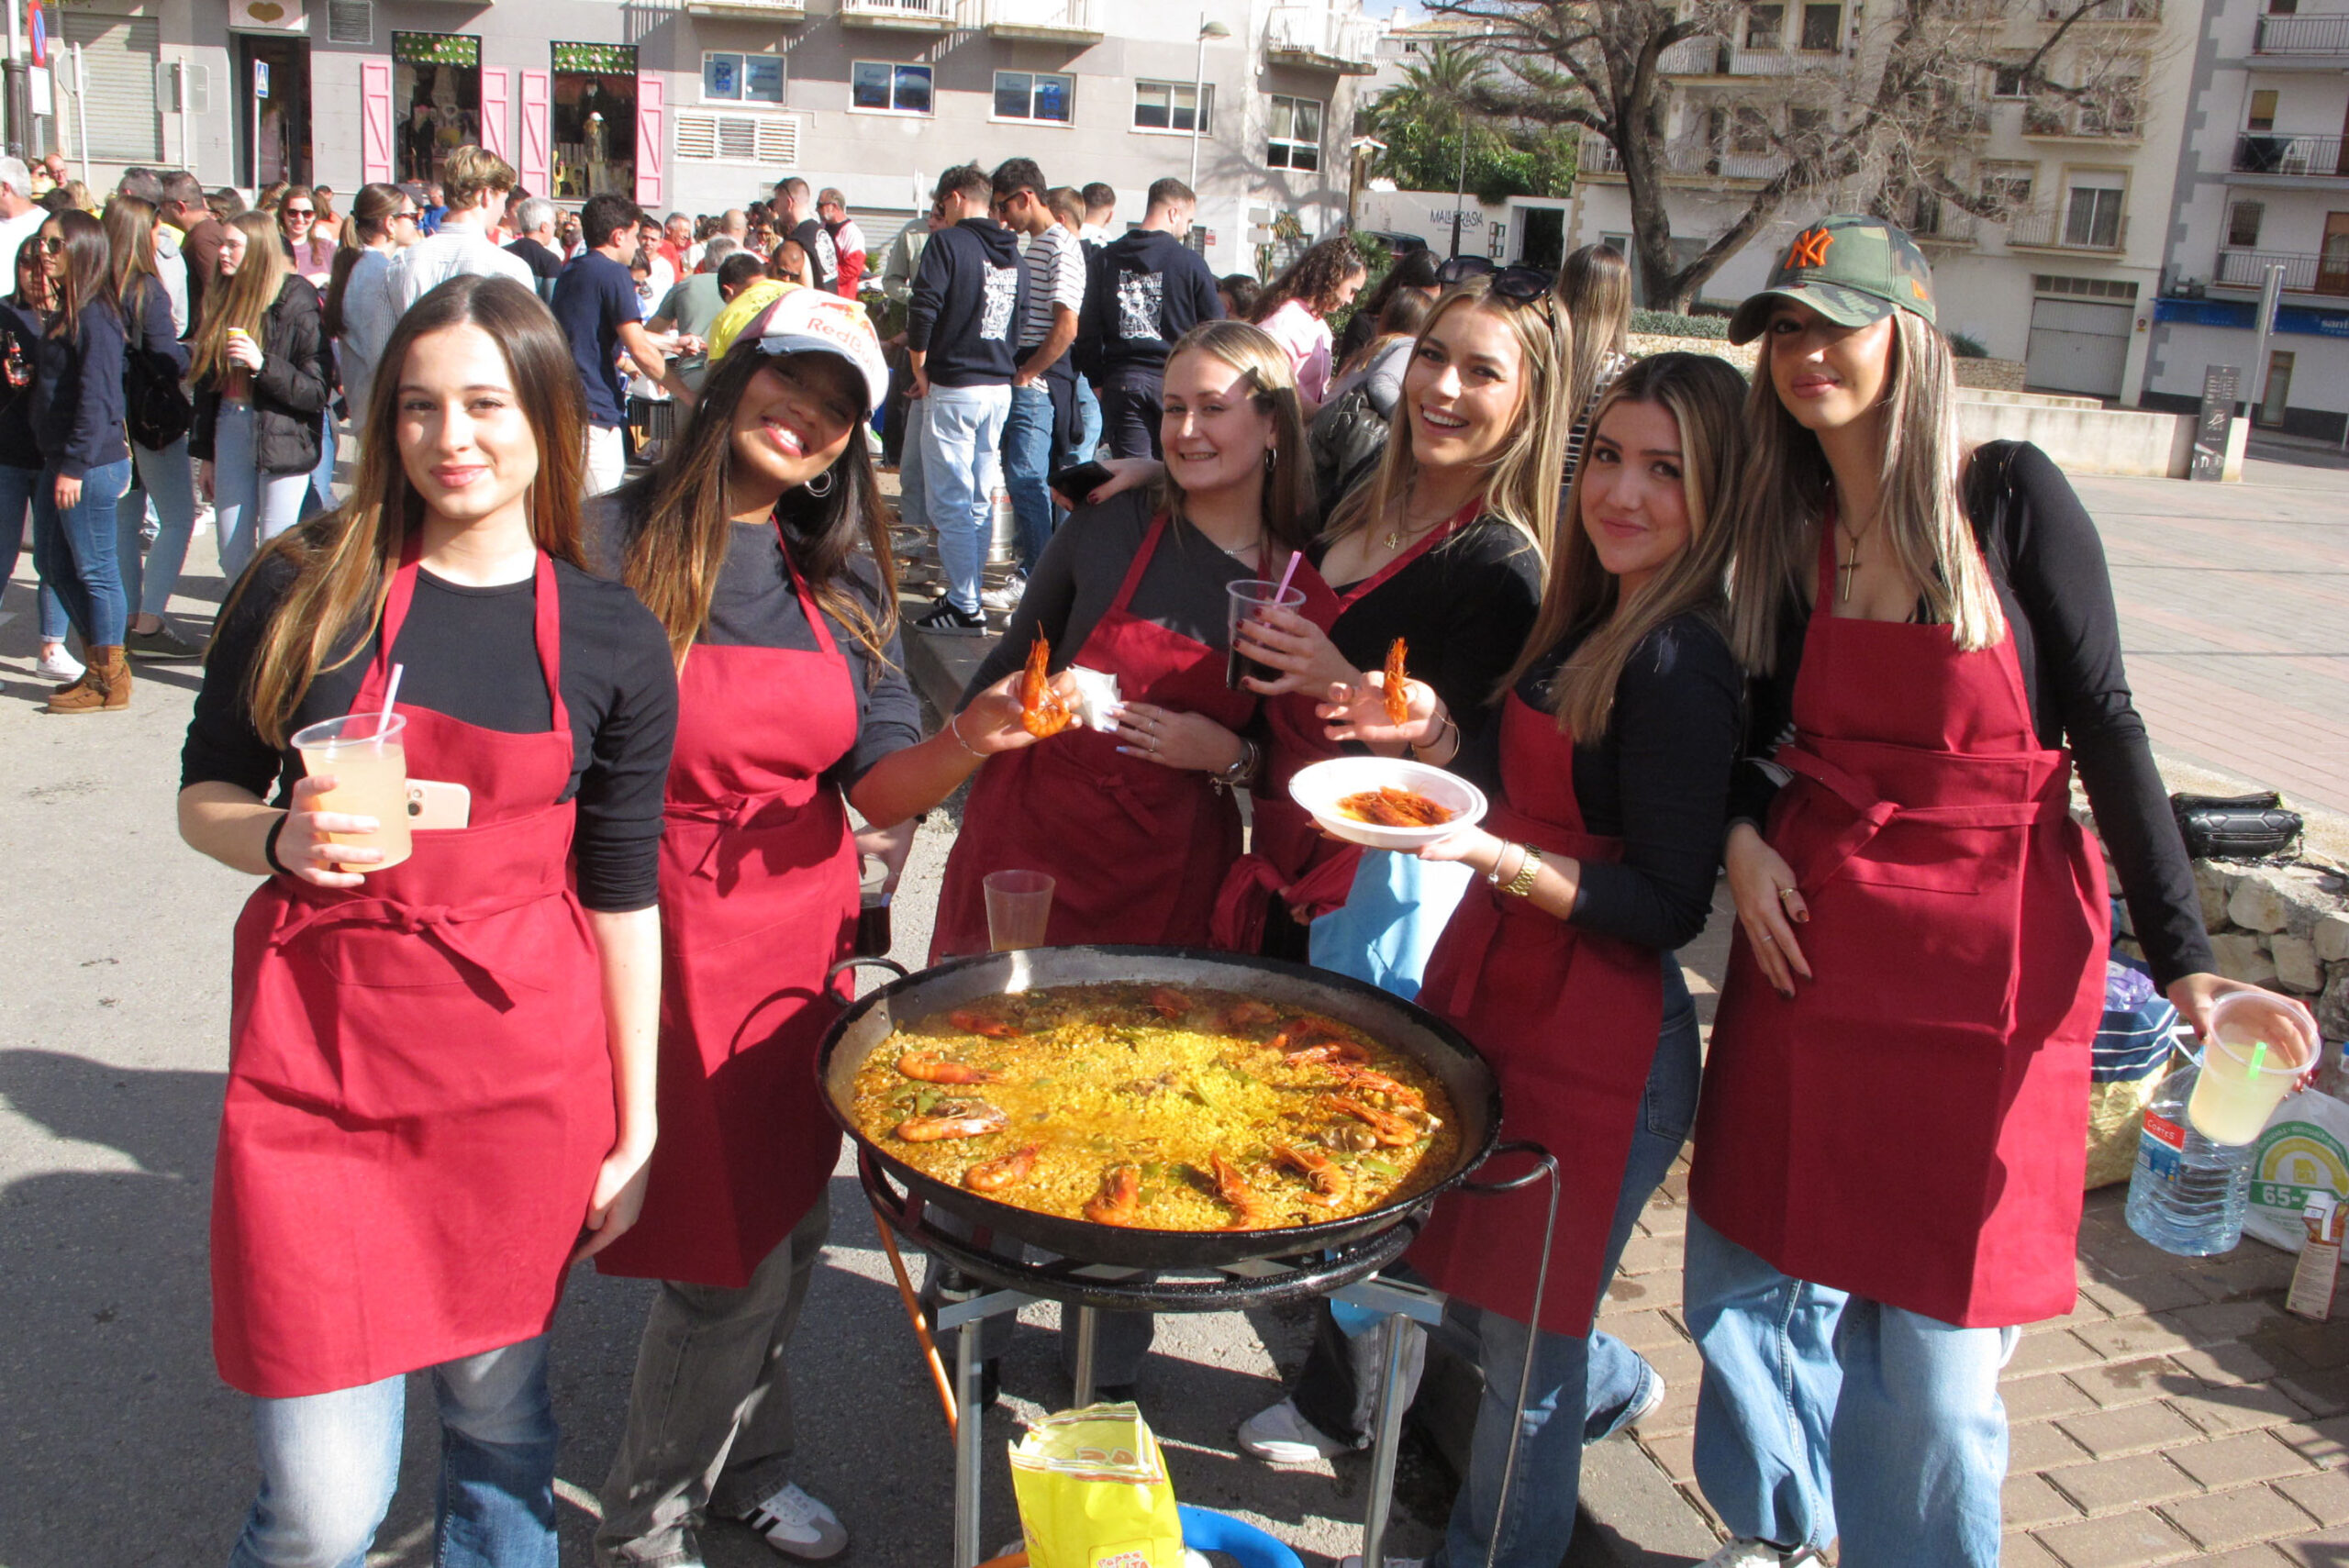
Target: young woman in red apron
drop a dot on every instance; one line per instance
(1608, 770)
(440, 1073)
(793, 706)
(1889, 1165)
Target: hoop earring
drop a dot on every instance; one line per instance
(819, 487)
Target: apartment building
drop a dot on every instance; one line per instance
(2065, 279)
(696, 105)
(2264, 185)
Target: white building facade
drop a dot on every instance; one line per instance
(699, 105)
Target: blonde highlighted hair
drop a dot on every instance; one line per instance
(240, 299)
(1288, 504)
(1522, 481)
(1787, 487)
(1704, 396)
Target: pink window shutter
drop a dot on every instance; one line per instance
(374, 121)
(495, 93)
(651, 123)
(535, 168)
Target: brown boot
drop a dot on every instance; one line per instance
(103, 688)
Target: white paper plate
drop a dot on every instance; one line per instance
(1319, 787)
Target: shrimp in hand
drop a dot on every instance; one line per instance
(1044, 712)
(1397, 688)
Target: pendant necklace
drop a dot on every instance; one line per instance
(1850, 567)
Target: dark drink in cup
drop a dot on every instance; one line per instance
(1247, 597)
(872, 934)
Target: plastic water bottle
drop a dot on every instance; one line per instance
(2188, 1195)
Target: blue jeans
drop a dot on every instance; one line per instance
(321, 496)
(1597, 1378)
(248, 507)
(74, 548)
(329, 1462)
(168, 478)
(1027, 465)
(1088, 422)
(16, 512)
(962, 460)
(1823, 1414)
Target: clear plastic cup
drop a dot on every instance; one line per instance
(364, 755)
(1019, 905)
(2257, 1051)
(1246, 597)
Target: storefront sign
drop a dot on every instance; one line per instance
(2234, 313)
(2220, 386)
(268, 16)
(2310, 323)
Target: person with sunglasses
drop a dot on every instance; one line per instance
(311, 253)
(358, 315)
(761, 542)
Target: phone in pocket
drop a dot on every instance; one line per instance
(431, 804)
(1078, 482)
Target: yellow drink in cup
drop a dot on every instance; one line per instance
(1019, 905)
(2255, 1054)
(363, 755)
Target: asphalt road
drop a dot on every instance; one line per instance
(125, 1448)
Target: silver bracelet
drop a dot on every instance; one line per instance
(955, 728)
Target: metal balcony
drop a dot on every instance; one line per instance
(1048, 21)
(1315, 37)
(2045, 229)
(904, 16)
(2123, 11)
(2244, 269)
(2302, 34)
(750, 10)
(2292, 157)
(1689, 159)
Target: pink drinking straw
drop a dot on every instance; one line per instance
(1282, 592)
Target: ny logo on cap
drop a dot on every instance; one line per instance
(1809, 249)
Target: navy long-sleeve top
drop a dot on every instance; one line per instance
(156, 334)
(77, 395)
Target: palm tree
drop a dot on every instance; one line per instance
(1437, 94)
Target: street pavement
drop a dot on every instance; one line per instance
(126, 1449)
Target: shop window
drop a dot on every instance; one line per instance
(728, 78)
(1172, 106)
(595, 120)
(1295, 139)
(436, 81)
(1033, 96)
(884, 87)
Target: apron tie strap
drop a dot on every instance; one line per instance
(444, 923)
(1872, 815)
(729, 817)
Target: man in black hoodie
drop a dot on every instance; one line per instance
(1147, 289)
(961, 326)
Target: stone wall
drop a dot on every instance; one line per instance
(2281, 926)
(1990, 375)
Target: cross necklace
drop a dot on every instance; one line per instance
(1848, 567)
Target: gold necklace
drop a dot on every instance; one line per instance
(1409, 526)
(1850, 568)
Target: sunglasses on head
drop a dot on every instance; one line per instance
(1519, 285)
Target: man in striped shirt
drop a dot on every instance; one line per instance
(1043, 392)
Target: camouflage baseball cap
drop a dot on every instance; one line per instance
(1851, 269)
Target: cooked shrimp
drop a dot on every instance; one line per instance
(1361, 1079)
(952, 1118)
(1248, 1211)
(1171, 1003)
(1398, 691)
(1385, 1126)
(971, 1021)
(1120, 1198)
(1044, 712)
(932, 1069)
(1003, 1171)
(1249, 1015)
(1323, 1173)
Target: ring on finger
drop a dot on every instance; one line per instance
(1765, 939)
(1786, 894)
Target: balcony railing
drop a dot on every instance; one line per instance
(1321, 38)
(1599, 157)
(2302, 34)
(1045, 19)
(926, 15)
(2048, 228)
(2110, 11)
(1711, 57)
(760, 10)
(2114, 119)
(2304, 157)
(2303, 273)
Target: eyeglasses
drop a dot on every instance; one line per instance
(301, 212)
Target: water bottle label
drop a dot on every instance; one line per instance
(2162, 1150)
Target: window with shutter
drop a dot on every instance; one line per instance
(772, 139)
(121, 53)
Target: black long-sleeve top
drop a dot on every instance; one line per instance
(20, 328)
(2048, 566)
(1658, 779)
(155, 332)
(471, 654)
(77, 394)
(969, 295)
(755, 605)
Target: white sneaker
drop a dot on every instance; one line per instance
(1006, 599)
(797, 1526)
(1281, 1435)
(1746, 1551)
(58, 665)
(1657, 1394)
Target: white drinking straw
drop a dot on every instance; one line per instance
(391, 695)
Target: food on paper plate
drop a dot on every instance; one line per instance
(1390, 808)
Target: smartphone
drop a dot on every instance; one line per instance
(1078, 482)
(434, 805)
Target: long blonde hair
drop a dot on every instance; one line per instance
(1287, 505)
(344, 561)
(1522, 483)
(1595, 287)
(243, 297)
(1704, 396)
(1786, 489)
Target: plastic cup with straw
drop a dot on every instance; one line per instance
(1248, 597)
(365, 756)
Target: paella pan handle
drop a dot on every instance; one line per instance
(1545, 1168)
(859, 960)
(1545, 1162)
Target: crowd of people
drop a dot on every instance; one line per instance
(656, 704)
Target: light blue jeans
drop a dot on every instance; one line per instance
(329, 1462)
(1596, 1381)
(962, 463)
(1027, 465)
(248, 507)
(913, 496)
(1088, 422)
(321, 498)
(16, 518)
(1823, 1414)
(74, 549)
(152, 562)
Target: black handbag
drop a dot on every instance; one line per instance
(2237, 826)
(155, 409)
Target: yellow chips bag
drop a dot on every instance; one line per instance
(1094, 1493)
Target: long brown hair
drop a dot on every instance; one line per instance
(1287, 505)
(1314, 279)
(677, 524)
(130, 224)
(1522, 482)
(1595, 289)
(89, 272)
(343, 562)
(243, 297)
(1705, 397)
(369, 219)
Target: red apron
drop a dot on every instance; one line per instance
(1137, 852)
(1569, 1020)
(1912, 1126)
(1287, 853)
(758, 899)
(419, 1086)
